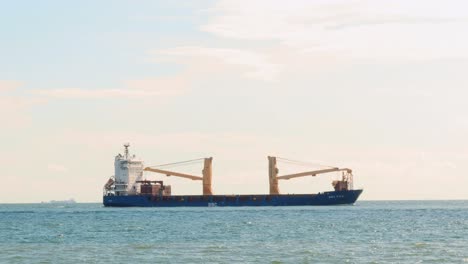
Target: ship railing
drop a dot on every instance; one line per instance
(107, 192)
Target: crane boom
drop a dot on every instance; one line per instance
(173, 173)
(206, 179)
(109, 184)
(311, 173)
(343, 184)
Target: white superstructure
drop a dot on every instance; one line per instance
(128, 170)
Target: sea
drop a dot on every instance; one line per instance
(367, 232)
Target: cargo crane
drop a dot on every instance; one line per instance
(109, 186)
(344, 184)
(206, 172)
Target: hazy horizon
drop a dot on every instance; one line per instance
(376, 86)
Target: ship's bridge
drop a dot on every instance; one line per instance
(128, 171)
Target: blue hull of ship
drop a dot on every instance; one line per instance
(326, 198)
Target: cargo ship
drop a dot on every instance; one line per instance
(128, 188)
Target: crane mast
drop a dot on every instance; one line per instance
(273, 175)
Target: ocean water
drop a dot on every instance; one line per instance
(368, 232)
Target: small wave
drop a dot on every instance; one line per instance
(420, 245)
(18, 212)
(142, 246)
(214, 249)
(134, 228)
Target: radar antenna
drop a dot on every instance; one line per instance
(126, 145)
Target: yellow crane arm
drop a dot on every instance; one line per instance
(173, 173)
(311, 173)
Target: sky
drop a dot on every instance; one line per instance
(377, 86)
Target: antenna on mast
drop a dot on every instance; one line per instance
(126, 145)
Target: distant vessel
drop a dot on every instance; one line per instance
(69, 201)
(128, 188)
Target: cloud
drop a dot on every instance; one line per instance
(257, 64)
(241, 158)
(390, 19)
(13, 107)
(9, 85)
(364, 29)
(311, 36)
(134, 89)
(189, 141)
(53, 167)
(280, 20)
(104, 93)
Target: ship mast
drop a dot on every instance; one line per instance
(126, 145)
